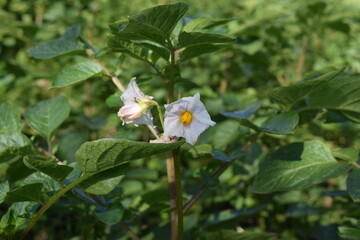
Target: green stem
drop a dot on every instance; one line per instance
(179, 203)
(47, 205)
(160, 114)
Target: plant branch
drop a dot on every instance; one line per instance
(301, 61)
(217, 173)
(51, 201)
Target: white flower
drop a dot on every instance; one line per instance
(136, 106)
(186, 118)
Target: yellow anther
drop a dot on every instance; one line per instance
(186, 118)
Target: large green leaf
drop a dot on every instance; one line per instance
(341, 94)
(13, 145)
(289, 95)
(58, 172)
(193, 38)
(297, 165)
(102, 154)
(76, 73)
(133, 49)
(233, 235)
(283, 123)
(64, 45)
(30, 192)
(47, 115)
(163, 17)
(353, 185)
(134, 31)
(4, 188)
(203, 23)
(200, 49)
(105, 181)
(54, 48)
(10, 119)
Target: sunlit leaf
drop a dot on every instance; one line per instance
(193, 38)
(76, 73)
(46, 116)
(15, 144)
(10, 120)
(102, 154)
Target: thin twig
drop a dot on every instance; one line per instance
(301, 61)
(129, 231)
(217, 173)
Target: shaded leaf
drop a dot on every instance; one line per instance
(133, 49)
(297, 165)
(10, 120)
(289, 95)
(76, 73)
(353, 185)
(203, 23)
(341, 94)
(349, 233)
(30, 192)
(200, 49)
(245, 113)
(193, 38)
(102, 154)
(58, 172)
(47, 115)
(109, 215)
(283, 123)
(233, 235)
(54, 48)
(105, 181)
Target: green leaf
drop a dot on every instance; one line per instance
(225, 133)
(353, 185)
(193, 38)
(200, 49)
(347, 154)
(203, 23)
(133, 49)
(283, 123)
(13, 145)
(163, 17)
(76, 73)
(4, 188)
(30, 192)
(110, 215)
(102, 154)
(10, 119)
(135, 31)
(245, 113)
(233, 235)
(289, 95)
(47, 115)
(297, 165)
(54, 48)
(105, 181)
(58, 172)
(341, 94)
(66, 44)
(349, 233)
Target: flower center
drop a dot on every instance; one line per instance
(186, 118)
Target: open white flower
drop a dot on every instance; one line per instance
(186, 118)
(136, 106)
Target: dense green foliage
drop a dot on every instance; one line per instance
(280, 79)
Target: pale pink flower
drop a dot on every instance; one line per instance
(136, 106)
(186, 118)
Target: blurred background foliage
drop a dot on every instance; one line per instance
(278, 42)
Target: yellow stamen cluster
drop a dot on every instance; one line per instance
(186, 118)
